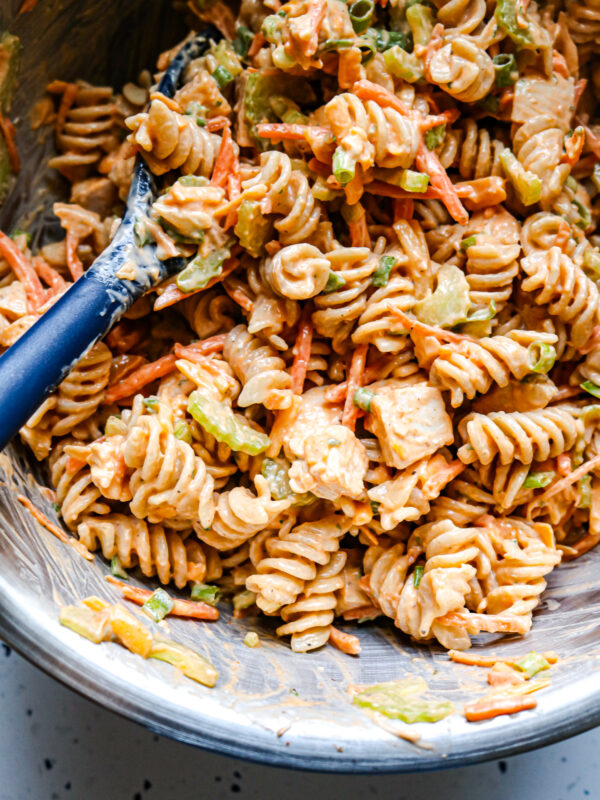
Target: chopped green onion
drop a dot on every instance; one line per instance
(361, 13)
(19, 232)
(243, 600)
(527, 185)
(491, 104)
(591, 388)
(56, 507)
(206, 593)
(571, 183)
(222, 77)
(402, 64)
(414, 181)
(334, 282)
(538, 480)
(158, 605)
(151, 403)
(585, 492)
(182, 431)
(344, 166)
(192, 664)
(541, 357)
(243, 40)
(195, 109)
(509, 23)
(385, 39)
(375, 506)
(435, 136)
(400, 700)
(116, 568)
(363, 398)
(483, 314)
(585, 217)
(531, 664)
(417, 575)
(420, 19)
(470, 241)
(505, 67)
(251, 639)
(381, 275)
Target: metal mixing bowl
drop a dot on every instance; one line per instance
(270, 704)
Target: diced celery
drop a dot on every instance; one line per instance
(420, 19)
(93, 625)
(402, 64)
(201, 269)
(531, 664)
(334, 282)
(527, 185)
(260, 87)
(435, 136)
(192, 664)
(449, 303)
(206, 593)
(243, 600)
(414, 181)
(226, 56)
(251, 639)
(275, 471)
(219, 419)
(591, 388)
(508, 22)
(252, 228)
(585, 491)
(182, 431)
(401, 700)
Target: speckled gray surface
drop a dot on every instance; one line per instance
(56, 746)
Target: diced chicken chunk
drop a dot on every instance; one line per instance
(315, 414)
(335, 464)
(410, 422)
(13, 301)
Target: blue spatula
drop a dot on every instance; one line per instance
(32, 368)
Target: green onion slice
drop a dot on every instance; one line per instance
(418, 574)
(381, 275)
(538, 480)
(505, 68)
(117, 570)
(158, 605)
(334, 282)
(361, 13)
(541, 357)
(222, 76)
(363, 398)
(206, 593)
(344, 166)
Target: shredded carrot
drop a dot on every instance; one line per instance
(257, 43)
(181, 608)
(126, 335)
(574, 146)
(9, 133)
(170, 102)
(363, 612)
(68, 98)
(428, 162)
(429, 330)
(489, 707)
(49, 275)
(28, 5)
(171, 293)
(238, 296)
(346, 642)
(366, 90)
(319, 167)
(355, 378)
(559, 64)
(24, 271)
(482, 192)
(315, 13)
(202, 348)
(566, 392)
(403, 209)
(359, 233)
(140, 378)
(477, 660)
(73, 260)
(225, 160)
(54, 529)
(568, 480)
(563, 235)
(563, 464)
(283, 130)
(217, 123)
(302, 352)
(579, 90)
